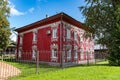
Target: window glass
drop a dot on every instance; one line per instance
(34, 37)
(75, 35)
(19, 53)
(68, 34)
(33, 54)
(82, 54)
(54, 34)
(68, 53)
(21, 40)
(54, 53)
(76, 54)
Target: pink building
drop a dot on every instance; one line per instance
(59, 39)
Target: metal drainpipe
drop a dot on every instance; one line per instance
(61, 52)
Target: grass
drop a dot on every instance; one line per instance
(100, 71)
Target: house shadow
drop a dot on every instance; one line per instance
(93, 64)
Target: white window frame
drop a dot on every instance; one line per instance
(68, 34)
(21, 40)
(19, 54)
(34, 36)
(33, 54)
(81, 38)
(75, 36)
(54, 33)
(69, 53)
(81, 54)
(75, 54)
(54, 53)
(91, 55)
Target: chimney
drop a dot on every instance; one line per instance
(47, 16)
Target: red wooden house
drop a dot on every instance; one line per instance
(59, 39)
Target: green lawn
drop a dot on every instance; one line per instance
(101, 71)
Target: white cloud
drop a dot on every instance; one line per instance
(31, 10)
(14, 11)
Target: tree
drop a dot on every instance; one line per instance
(104, 17)
(4, 24)
(114, 52)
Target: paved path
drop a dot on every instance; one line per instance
(7, 70)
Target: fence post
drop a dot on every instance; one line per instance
(2, 57)
(62, 59)
(37, 62)
(87, 59)
(95, 57)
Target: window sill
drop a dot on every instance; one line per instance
(75, 57)
(34, 42)
(68, 39)
(54, 57)
(68, 58)
(54, 39)
(20, 44)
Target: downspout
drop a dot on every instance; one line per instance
(61, 52)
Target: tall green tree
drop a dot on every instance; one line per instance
(114, 52)
(104, 17)
(4, 24)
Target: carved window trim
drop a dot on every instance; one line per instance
(35, 36)
(20, 52)
(75, 52)
(53, 48)
(21, 39)
(34, 52)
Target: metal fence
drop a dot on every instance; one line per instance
(11, 65)
(28, 63)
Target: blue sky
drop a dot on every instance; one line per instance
(24, 12)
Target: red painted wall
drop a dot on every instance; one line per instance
(44, 42)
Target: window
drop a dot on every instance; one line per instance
(87, 55)
(91, 55)
(82, 54)
(75, 36)
(68, 34)
(21, 40)
(68, 53)
(54, 53)
(34, 36)
(54, 33)
(33, 54)
(19, 54)
(81, 38)
(75, 54)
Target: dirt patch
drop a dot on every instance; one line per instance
(7, 70)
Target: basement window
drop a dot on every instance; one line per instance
(75, 54)
(69, 53)
(19, 54)
(54, 53)
(33, 54)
